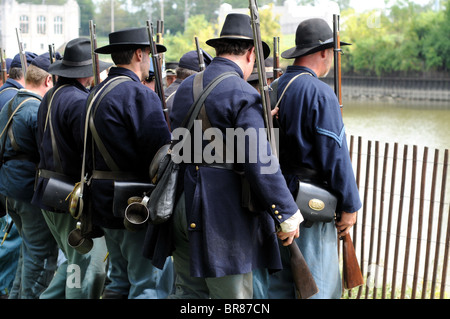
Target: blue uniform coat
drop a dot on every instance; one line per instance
(67, 110)
(17, 175)
(8, 91)
(131, 124)
(315, 135)
(224, 237)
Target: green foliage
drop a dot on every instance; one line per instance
(407, 39)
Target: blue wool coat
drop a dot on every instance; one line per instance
(17, 175)
(8, 91)
(224, 237)
(315, 136)
(67, 110)
(131, 124)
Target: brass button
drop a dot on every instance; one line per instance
(276, 212)
(193, 225)
(273, 206)
(279, 217)
(196, 168)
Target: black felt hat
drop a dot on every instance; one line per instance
(76, 61)
(312, 35)
(128, 39)
(237, 26)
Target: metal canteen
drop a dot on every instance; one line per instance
(136, 214)
(81, 244)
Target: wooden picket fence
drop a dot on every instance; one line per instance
(402, 236)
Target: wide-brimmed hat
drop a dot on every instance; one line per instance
(76, 61)
(128, 39)
(312, 35)
(268, 63)
(237, 26)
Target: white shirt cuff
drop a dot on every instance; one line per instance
(292, 222)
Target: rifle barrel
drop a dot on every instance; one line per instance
(159, 88)
(95, 66)
(201, 61)
(23, 59)
(351, 271)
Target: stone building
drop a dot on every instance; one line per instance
(39, 24)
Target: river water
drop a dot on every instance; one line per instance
(411, 123)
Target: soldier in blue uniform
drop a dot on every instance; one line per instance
(39, 250)
(309, 115)
(68, 99)
(16, 79)
(218, 241)
(187, 66)
(130, 123)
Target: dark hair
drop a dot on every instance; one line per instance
(125, 56)
(183, 73)
(235, 47)
(15, 73)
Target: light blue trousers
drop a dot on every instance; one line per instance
(79, 276)
(131, 274)
(318, 245)
(9, 255)
(39, 250)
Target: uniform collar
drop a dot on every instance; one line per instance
(228, 64)
(299, 69)
(116, 71)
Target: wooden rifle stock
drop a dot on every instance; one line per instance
(303, 279)
(201, 61)
(351, 270)
(159, 87)
(95, 66)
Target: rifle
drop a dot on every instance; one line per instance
(303, 279)
(95, 66)
(23, 59)
(201, 61)
(3, 62)
(276, 58)
(159, 88)
(351, 270)
(160, 40)
(50, 54)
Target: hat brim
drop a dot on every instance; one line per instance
(297, 52)
(74, 72)
(111, 48)
(213, 43)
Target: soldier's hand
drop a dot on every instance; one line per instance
(345, 223)
(287, 238)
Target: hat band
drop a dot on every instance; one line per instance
(316, 43)
(235, 36)
(81, 63)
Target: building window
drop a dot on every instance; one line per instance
(58, 25)
(24, 28)
(41, 25)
